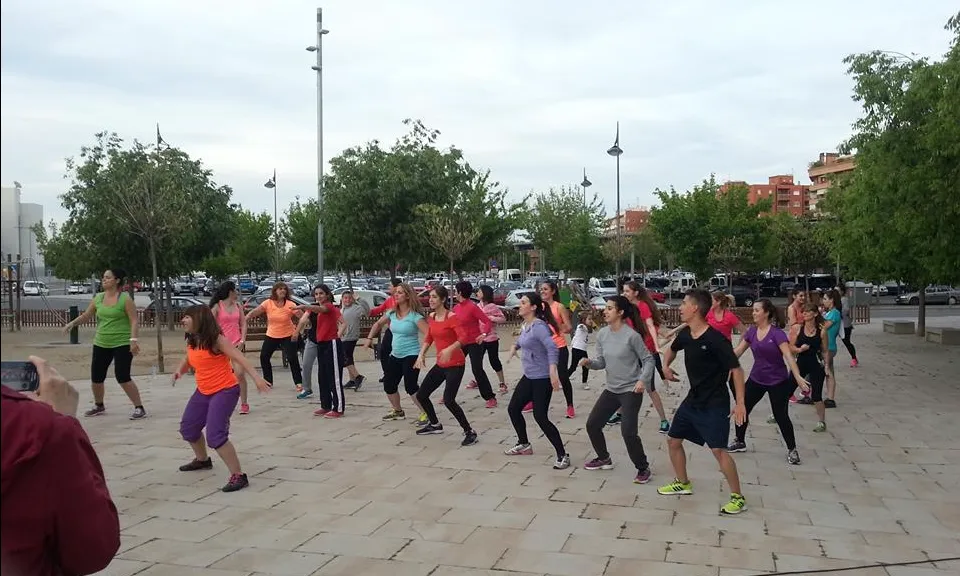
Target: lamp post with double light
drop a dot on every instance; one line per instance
(616, 151)
(318, 68)
(271, 184)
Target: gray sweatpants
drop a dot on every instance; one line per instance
(309, 359)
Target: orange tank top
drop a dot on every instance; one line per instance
(214, 372)
(558, 338)
(280, 318)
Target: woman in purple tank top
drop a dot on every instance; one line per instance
(770, 375)
(229, 314)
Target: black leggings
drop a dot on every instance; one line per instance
(452, 376)
(475, 352)
(628, 404)
(289, 346)
(575, 357)
(385, 348)
(563, 360)
(401, 369)
(539, 392)
(493, 355)
(815, 375)
(848, 344)
(779, 403)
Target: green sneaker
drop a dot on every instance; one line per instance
(820, 427)
(421, 420)
(394, 415)
(676, 488)
(736, 505)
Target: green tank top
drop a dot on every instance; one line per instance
(113, 326)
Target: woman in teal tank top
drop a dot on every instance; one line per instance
(115, 341)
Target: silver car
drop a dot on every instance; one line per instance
(932, 295)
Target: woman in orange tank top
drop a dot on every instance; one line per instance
(549, 292)
(211, 355)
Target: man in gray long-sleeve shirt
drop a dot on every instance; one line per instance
(629, 366)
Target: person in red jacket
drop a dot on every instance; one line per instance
(56, 515)
(477, 326)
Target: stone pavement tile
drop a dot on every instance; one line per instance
(196, 531)
(249, 499)
(121, 567)
(467, 501)
(707, 536)
(174, 570)
(128, 541)
(933, 546)
(296, 462)
(410, 493)
(386, 511)
(743, 523)
(352, 545)
(921, 570)
(517, 491)
(175, 510)
(636, 513)
(255, 536)
(488, 518)
(803, 546)
(630, 567)
(503, 538)
(541, 507)
(354, 566)
(241, 516)
(616, 547)
(296, 474)
(458, 571)
(358, 525)
(592, 497)
(870, 554)
(174, 492)
(162, 551)
(125, 503)
(310, 523)
(842, 519)
(584, 526)
(323, 503)
(720, 556)
(794, 563)
(278, 562)
(434, 531)
(788, 529)
(554, 563)
(446, 553)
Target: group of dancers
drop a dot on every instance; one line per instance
(628, 349)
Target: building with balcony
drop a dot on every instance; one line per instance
(824, 172)
(784, 194)
(632, 220)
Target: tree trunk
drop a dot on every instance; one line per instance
(922, 313)
(349, 278)
(159, 330)
(171, 320)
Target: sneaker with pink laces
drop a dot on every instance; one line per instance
(854, 363)
(472, 385)
(571, 413)
(528, 408)
(244, 408)
(492, 403)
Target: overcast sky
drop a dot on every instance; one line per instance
(531, 90)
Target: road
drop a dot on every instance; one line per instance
(886, 308)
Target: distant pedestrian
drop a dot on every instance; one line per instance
(846, 311)
(353, 310)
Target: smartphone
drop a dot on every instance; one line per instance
(20, 376)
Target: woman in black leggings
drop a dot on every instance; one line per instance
(771, 357)
(809, 341)
(541, 378)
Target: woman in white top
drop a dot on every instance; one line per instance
(578, 347)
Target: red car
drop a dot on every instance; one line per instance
(657, 296)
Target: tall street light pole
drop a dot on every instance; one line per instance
(272, 185)
(318, 68)
(616, 151)
(585, 184)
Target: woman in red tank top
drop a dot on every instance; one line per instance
(211, 355)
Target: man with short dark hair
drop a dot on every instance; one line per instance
(704, 415)
(56, 515)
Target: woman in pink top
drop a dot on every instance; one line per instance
(491, 344)
(721, 318)
(228, 311)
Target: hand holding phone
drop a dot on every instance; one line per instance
(20, 376)
(49, 386)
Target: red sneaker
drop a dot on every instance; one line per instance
(320, 412)
(472, 385)
(571, 413)
(528, 408)
(492, 403)
(333, 414)
(854, 363)
(244, 408)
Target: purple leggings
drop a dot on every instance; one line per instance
(211, 412)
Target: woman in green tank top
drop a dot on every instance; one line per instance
(115, 341)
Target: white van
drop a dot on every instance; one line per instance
(510, 275)
(680, 283)
(34, 288)
(602, 287)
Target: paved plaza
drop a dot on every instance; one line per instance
(362, 497)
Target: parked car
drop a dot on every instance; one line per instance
(80, 288)
(743, 296)
(512, 301)
(35, 288)
(372, 298)
(178, 304)
(185, 286)
(932, 295)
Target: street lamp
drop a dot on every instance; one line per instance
(318, 48)
(616, 151)
(272, 185)
(585, 184)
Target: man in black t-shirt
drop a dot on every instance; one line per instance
(704, 415)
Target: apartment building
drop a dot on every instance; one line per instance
(824, 172)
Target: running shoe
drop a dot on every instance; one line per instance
(854, 363)
(394, 415)
(562, 462)
(642, 477)
(664, 426)
(236, 482)
(519, 450)
(615, 419)
(676, 488)
(244, 408)
(320, 412)
(829, 403)
(469, 438)
(350, 385)
(599, 464)
(95, 411)
(303, 395)
(571, 413)
(528, 408)
(820, 427)
(138, 413)
(429, 428)
(503, 388)
(358, 383)
(793, 457)
(298, 387)
(492, 403)
(472, 385)
(586, 386)
(195, 465)
(421, 420)
(333, 415)
(736, 505)
(805, 400)
(737, 446)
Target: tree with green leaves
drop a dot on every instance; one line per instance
(798, 244)
(647, 249)
(580, 252)
(301, 218)
(250, 246)
(896, 214)
(551, 214)
(450, 231)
